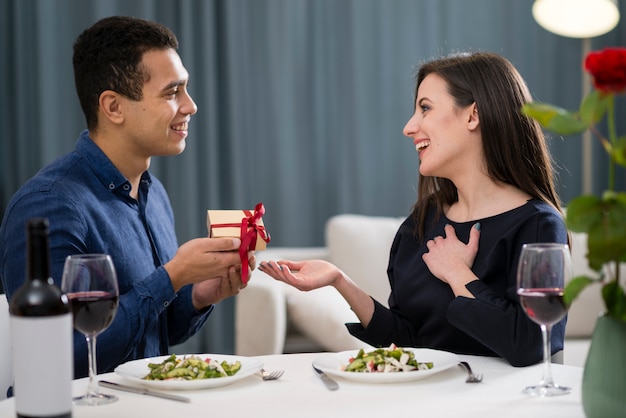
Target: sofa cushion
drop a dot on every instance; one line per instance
(320, 314)
(358, 245)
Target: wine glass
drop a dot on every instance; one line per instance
(543, 270)
(90, 283)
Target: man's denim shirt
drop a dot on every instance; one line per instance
(89, 208)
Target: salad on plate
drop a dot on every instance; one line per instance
(191, 368)
(386, 360)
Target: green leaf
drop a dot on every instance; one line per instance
(574, 287)
(604, 221)
(618, 152)
(583, 212)
(566, 124)
(615, 300)
(553, 118)
(604, 246)
(606, 239)
(593, 107)
(541, 112)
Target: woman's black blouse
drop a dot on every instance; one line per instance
(423, 311)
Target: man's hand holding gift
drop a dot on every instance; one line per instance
(243, 224)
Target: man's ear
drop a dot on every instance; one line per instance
(111, 106)
(473, 120)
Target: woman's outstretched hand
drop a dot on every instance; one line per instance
(303, 275)
(313, 274)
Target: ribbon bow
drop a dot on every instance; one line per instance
(248, 233)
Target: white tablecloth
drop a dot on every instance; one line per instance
(301, 393)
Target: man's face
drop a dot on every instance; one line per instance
(158, 124)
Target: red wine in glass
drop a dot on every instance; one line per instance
(93, 311)
(90, 283)
(543, 306)
(542, 272)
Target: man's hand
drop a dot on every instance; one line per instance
(201, 259)
(213, 290)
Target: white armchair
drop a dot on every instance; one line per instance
(359, 245)
(6, 367)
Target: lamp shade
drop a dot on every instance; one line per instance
(576, 18)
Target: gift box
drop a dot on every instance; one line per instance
(244, 224)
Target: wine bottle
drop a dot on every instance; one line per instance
(41, 335)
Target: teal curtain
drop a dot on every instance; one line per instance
(301, 102)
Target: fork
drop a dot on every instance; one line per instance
(471, 377)
(276, 374)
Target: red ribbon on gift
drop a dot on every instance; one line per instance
(248, 233)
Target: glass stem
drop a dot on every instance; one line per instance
(547, 360)
(92, 389)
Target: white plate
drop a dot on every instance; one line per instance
(135, 371)
(331, 363)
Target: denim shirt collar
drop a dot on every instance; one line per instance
(104, 169)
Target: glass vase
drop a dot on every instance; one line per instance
(604, 377)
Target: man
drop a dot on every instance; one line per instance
(101, 198)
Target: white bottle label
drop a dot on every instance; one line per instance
(43, 364)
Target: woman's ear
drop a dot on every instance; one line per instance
(473, 121)
(111, 106)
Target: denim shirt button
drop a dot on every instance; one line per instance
(127, 187)
(166, 303)
(111, 186)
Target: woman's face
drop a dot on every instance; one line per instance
(445, 136)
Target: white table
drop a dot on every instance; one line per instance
(300, 393)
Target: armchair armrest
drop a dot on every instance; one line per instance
(260, 317)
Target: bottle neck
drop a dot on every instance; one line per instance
(38, 267)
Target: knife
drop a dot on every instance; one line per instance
(142, 391)
(330, 383)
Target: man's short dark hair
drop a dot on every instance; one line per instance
(107, 56)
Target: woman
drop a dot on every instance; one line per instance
(485, 188)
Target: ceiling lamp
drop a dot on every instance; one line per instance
(577, 18)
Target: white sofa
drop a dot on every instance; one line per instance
(272, 318)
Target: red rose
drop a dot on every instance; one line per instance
(608, 69)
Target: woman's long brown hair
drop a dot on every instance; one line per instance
(515, 148)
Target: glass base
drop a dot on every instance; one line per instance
(94, 399)
(547, 390)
